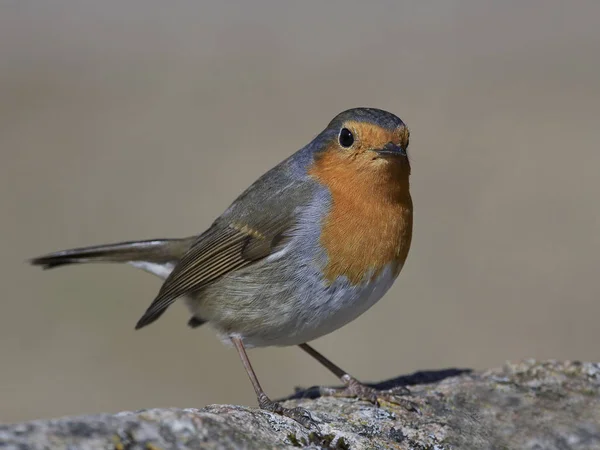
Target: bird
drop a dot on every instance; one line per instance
(311, 245)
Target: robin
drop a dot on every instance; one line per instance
(307, 248)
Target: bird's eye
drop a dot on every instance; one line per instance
(346, 138)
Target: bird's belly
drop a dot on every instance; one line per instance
(290, 316)
(339, 306)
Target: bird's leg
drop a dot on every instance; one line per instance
(355, 388)
(300, 415)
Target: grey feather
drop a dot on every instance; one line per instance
(195, 322)
(252, 228)
(155, 251)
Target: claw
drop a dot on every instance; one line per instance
(300, 415)
(396, 400)
(355, 389)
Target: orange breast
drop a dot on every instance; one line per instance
(369, 225)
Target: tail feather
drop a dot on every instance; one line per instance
(156, 250)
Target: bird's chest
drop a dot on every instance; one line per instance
(362, 237)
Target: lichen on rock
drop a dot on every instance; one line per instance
(525, 405)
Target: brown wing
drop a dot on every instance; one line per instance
(214, 254)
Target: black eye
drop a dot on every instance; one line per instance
(346, 138)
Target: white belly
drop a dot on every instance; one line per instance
(324, 312)
(316, 311)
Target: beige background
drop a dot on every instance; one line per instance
(140, 119)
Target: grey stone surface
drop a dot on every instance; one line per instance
(524, 405)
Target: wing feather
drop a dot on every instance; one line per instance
(212, 257)
(253, 227)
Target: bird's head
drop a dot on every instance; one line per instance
(364, 145)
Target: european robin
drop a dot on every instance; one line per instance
(307, 248)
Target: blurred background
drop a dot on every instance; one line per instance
(143, 119)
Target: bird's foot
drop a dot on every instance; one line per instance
(355, 389)
(300, 415)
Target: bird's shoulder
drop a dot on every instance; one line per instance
(271, 204)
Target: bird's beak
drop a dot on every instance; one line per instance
(391, 150)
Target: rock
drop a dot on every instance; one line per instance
(525, 405)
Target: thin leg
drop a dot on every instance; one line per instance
(355, 388)
(300, 415)
(337, 371)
